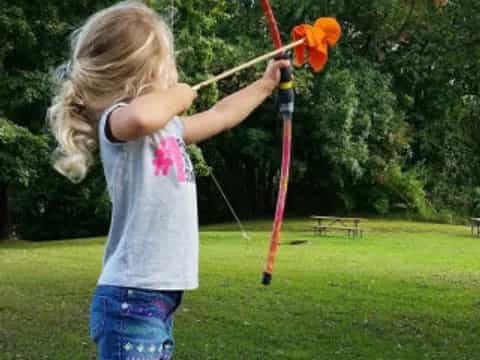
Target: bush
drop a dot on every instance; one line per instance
(53, 208)
(407, 187)
(382, 206)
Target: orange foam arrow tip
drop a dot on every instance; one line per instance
(323, 34)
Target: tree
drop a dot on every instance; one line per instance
(390, 125)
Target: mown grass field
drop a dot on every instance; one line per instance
(404, 291)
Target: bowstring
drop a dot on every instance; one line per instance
(230, 207)
(248, 243)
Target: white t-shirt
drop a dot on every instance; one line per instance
(153, 237)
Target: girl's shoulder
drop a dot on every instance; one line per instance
(104, 127)
(174, 127)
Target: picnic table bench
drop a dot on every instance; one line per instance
(326, 223)
(475, 223)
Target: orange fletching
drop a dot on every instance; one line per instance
(318, 38)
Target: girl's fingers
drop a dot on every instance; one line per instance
(282, 63)
(273, 69)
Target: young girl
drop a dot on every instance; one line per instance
(120, 92)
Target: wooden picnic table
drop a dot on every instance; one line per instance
(325, 223)
(475, 223)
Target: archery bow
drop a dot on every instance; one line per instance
(287, 104)
(316, 39)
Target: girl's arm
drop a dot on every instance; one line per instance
(148, 113)
(233, 109)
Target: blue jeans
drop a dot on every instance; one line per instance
(133, 324)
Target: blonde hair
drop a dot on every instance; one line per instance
(120, 52)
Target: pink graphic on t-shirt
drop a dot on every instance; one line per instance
(168, 154)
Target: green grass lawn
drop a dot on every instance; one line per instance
(403, 291)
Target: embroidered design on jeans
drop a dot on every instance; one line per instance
(164, 351)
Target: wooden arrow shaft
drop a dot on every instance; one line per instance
(248, 64)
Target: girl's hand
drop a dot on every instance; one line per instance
(271, 77)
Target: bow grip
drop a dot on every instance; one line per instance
(286, 94)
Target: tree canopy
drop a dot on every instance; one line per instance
(390, 126)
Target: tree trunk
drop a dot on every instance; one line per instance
(4, 220)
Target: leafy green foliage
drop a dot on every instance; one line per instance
(45, 205)
(51, 207)
(400, 94)
(407, 188)
(20, 154)
(196, 155)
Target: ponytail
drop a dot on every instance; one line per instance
(71, 123)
